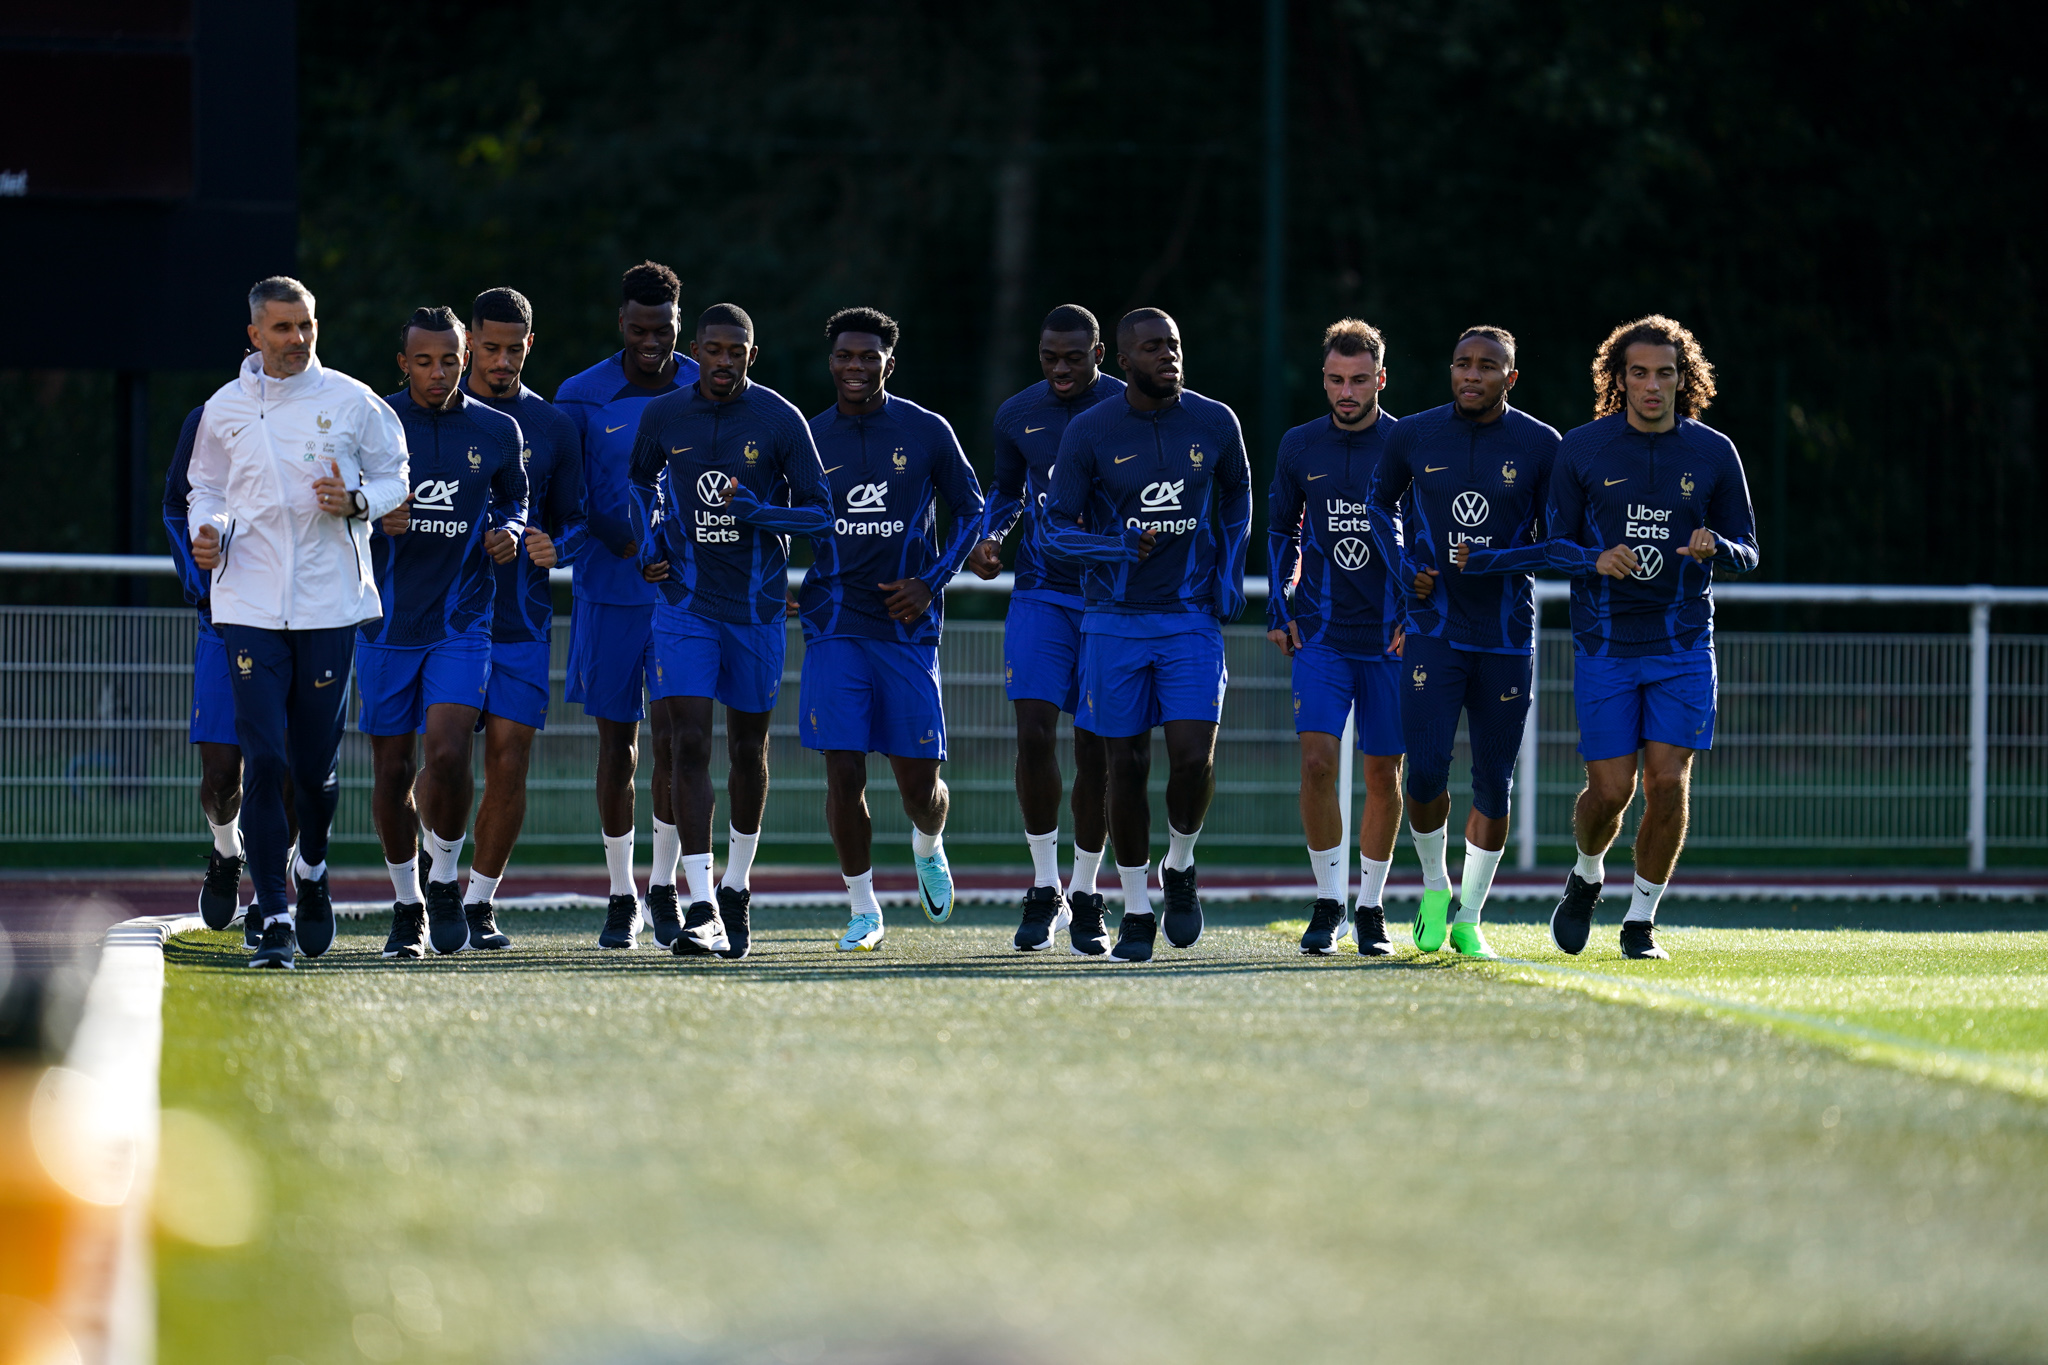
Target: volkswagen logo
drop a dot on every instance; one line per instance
(711, 487)
(1470, 509)
(1649, 561)
(1352, 553)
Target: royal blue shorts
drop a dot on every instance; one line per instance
(872, 696)
(1130, 684)
(1438, 682)
(398, 683)
(1329, 684)
(518, 689)
(213, 693)
(1624, 703)
(738, 665)
(611, 659)
(1042, 652)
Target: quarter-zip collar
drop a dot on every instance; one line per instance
(264, 389)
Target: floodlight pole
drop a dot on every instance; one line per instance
(1272, 395)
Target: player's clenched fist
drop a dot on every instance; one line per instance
(500, 545)
(540, 548)
(398, 520)
(206, 548)
(1618, 562)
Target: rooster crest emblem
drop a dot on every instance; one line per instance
(1685, 484)
(1421, 676)
(1507, 475)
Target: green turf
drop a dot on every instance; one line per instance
(1236, 1154)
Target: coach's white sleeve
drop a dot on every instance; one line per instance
(207, 503)
(381, 454)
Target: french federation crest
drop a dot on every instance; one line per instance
(476, 461)
(753, 453)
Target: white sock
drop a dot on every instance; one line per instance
(618, 861)
(1045, 858)
(668, 846)
(697, 875)
(1180, 848)
(924, 845)
(269, 920)
(860, 892)
(1592, 867)
(1642, 901)
(1475, 880)
(1087, 867)
(1329, 868)
(1137, 888)
(1432, 848)
(481, 888)
(301, 868)
(405, 879)
(227, 839)
(442, 855)
(1372, 880)
(739, 858)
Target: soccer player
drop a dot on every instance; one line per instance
(424, 667)
(1153, 493)
(611, 634)
(1477, 469)
(872, 608)
(213, 712)
(1042, 632)
(1340, 624)
(1645, 501)
(290, 464)
(523, 606)
(742, 474)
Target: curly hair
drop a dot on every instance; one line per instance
(1695, 372)
(1354, 336)
(871, 321)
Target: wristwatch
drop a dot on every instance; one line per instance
(358, 505)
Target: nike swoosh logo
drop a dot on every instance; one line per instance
(1121, 458)
(1612, 482)
(1029, 430)
(1434, 468)
(1311, 478)
(327, 682)
(836, 466)
(1510, 694)
(620, 427)
(238, 431)
(680, 449)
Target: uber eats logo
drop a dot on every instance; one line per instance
(713, 525)
(865, 501)
(433, 508)
(1161, 498)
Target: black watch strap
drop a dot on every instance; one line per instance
(359, 505)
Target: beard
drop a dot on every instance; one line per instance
(1152, 388)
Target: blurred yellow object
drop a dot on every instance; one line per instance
(31, 1334)
(208, 1189)
(46, 1117)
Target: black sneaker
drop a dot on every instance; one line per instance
(1639, 939)
(408, 930)
(703, 934)
(1183, 918)
(1370, 928)
(664, 907)
(1087, 936)
(621, 923)
(447, 930)
(483, 926)
(1045, 914)
(1325, 925)
(220, 893)
(252, 927)
(278, 946)
(313, 917)
(1571, 924)
(733, 906)
(1134, 938)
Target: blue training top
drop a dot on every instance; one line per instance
(524, 605)
(1028, 431)
(1616, 485)
(1179, 472)
(605, 406)
(468, 477)
(727, 562)
(1318, 517)
(1474, 483)
(196, 582)
(885, 471)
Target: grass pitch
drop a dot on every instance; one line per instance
(1234, 1154)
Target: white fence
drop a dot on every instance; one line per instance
(1825, 742)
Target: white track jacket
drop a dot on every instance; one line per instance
(285, 564)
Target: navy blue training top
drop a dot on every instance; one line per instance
(727, 562)
(885, 471)
(196, 582)
(1028, 431)
(523, 607)
(1481, 484)
(1318, 518)
(468, 476)
(605, 406)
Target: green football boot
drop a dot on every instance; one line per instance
(1429, 920)
(1467, 941)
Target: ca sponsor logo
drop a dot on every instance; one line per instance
(1649, 561)
(710, 487)
(1470, 509)
(435, 495)
(1162, 496)
(1352, 553)
(868, 497)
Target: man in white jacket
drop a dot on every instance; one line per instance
(292, 464)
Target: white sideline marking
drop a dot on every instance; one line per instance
(109, 1294)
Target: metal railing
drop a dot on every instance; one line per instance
(1871, 741)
